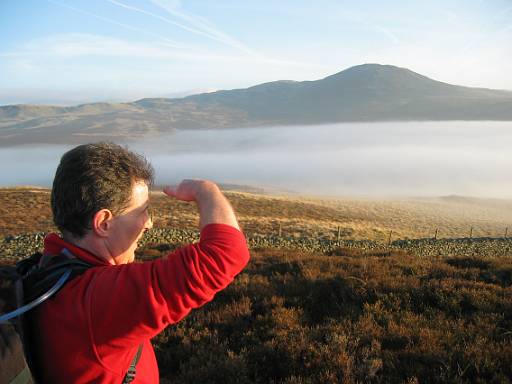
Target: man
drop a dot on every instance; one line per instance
(92, 329)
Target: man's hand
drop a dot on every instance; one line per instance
(190, 190)
(213, 207)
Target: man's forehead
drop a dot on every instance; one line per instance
(140, 187)
(140, 192)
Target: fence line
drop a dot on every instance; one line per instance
(5, 231)
(19, 246)
(337, 232)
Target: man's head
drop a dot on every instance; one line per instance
(100, 192)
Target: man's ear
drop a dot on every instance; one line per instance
(101, 222)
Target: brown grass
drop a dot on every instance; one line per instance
(27, 210)
(295, 317)
(352, 316)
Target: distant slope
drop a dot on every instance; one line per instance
(365, 92)
(454, 216)
(368, 92)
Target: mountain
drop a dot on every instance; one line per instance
(369, 92)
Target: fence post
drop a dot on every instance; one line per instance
(471, 233)
(280, 230)
(506, 232)
(435, 235)
(389, 239)
(339, 233)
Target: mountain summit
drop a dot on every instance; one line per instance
(368, 92)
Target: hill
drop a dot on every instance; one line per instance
(368, 92)
(351, 315)
(24, 210)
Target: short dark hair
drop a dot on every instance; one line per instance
(92, 177)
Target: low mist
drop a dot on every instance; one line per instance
(359, 159)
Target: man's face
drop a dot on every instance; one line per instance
(129, 226)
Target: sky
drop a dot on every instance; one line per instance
(75, 51)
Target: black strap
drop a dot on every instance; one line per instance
(132, 370)
(41, 278)
(37, 274)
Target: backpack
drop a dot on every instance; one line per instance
(23, 287)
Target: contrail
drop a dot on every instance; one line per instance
(185, 27)
(203, 24)
(173, 44)
(490, 35)
(170, 42)
(375, 27)
(131, 8)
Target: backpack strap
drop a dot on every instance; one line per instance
(24, 377)
(44, 282)
(132, 370)
(27, 307)
(41, 278)
(38, 273)
(47, 274)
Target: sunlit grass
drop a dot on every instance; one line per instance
(28, 210)
(347, 316)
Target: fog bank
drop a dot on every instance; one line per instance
(359, 159)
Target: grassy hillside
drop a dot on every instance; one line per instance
(346, 315)
(295, 317)
(25, 210)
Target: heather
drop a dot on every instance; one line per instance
(349, 317)
(329, 296)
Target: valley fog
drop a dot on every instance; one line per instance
(349, 159)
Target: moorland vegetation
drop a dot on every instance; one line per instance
(340, 315)
(351, 317)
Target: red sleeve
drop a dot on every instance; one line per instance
(134, 302)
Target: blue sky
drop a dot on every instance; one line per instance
(67, 52)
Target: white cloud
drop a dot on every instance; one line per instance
(78, 45)
(83, 61)
(451, 49)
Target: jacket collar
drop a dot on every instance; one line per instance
(54, 244)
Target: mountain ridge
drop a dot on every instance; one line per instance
(367, 92)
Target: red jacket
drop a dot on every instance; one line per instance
(89, 331)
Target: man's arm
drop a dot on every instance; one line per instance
(213, 207)
(151, 295)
